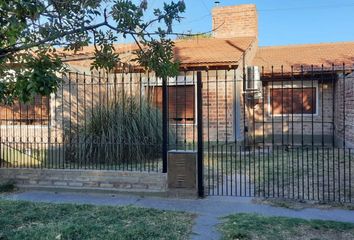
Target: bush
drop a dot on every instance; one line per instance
(125, 130)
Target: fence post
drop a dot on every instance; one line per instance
(164, 125)
(200, 134)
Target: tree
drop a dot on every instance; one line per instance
(31, 30)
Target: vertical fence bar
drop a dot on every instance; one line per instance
(200, 133)
(164, 125)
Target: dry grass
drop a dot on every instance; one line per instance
(325, 175)
(253, 226)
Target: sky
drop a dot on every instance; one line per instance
(281, 22)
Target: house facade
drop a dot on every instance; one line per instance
(300, 94)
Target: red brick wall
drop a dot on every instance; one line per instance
(235, 21)
(344, 111)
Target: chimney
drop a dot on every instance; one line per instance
(235, 21)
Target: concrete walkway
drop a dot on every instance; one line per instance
(209, 210)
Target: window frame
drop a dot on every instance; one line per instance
(294, 84)
(180, 80)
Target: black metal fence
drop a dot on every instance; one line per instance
(270, 132)
(96, 121)
(280, 134)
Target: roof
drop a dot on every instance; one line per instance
(211, 51)
(304, 55)
(190, 53)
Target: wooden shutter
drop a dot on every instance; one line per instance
(181, 102)
(293, 100)
(36, 112)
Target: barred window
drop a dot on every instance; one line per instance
(181, 102)
(32, 113)
(293, 100)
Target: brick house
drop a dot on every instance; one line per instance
(230, 112)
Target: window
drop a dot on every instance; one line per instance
(34, 113)
(293, 100)
(181, 102)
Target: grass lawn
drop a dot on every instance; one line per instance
(252, 226)
(25, 220)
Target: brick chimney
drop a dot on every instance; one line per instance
(235, 21)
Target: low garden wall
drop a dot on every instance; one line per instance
(96, 180)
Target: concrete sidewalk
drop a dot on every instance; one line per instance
(209, 210)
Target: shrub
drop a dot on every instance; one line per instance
(126, 130)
